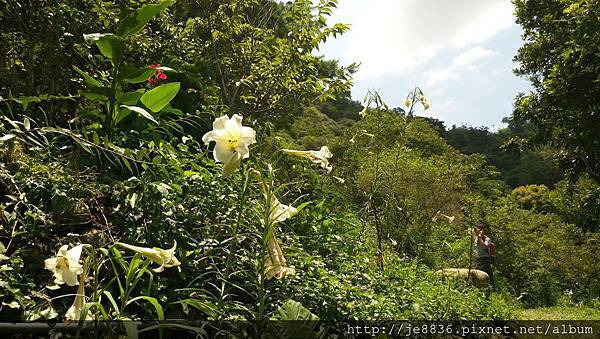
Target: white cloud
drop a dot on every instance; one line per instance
(471, 56)
(391, 36)
(438, 75)
(465, 61)
(493, 19)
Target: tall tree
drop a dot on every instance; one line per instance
(561, 58)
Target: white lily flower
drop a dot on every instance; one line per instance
(65, 265)
(280, 212)
(363, 113)
(274, 262)
(407, 102)
(74, 312)
(232, 140)
(450, 218)
(318, 157)
(165, 258)
(340, 180)
(425, 102)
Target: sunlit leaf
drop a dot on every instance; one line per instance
(141, 111)
(134, 23)
(157, 98)
(88, 78)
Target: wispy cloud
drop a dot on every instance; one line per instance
(464, 62)
(471, 56)
(391, 36)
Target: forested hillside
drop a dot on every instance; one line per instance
(200, 160)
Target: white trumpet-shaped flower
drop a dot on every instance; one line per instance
(363, 113)
(318, 157)
(274, 262)
(165, 258)
(232, 140)
(450, 218)
(340, 180)
(280, 212)
(425, 102)
(65, 265)
(407, 102)
(75, 311)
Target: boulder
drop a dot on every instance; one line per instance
(479, 278)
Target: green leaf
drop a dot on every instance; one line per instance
(127, 164)
(12, 304)
(141, 111)
(123, 113)
(157, 98)
(112, 301)
(96, 93)
(96, 138)
(293, 310)
(153, 301)
(7, 137)
(93, 37)
(202, 306)
(134, 23)
(169, 109)
(24, 101)
(137, 75)
(88, 78)
(131, 98)
(111, 46)
(304, 324)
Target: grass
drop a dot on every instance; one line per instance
(559, 313)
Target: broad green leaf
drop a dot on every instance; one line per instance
(169, 109)
(88, 78)
(157, 98)
(293, 310)
(134, 23)
(131, 98)
(111, 46)
(298, 322)
(123, 113)
(137, 75)
(141, 111)
(96, 93)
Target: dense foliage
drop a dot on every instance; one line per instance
(107, 149)
(559, 58)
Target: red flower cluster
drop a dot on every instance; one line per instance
(158, 75)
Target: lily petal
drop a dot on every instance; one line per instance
(75, 253)
(220, 122)
(274, 263)
(232, 163)
(222, 152)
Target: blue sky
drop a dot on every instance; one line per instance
(458, 52)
